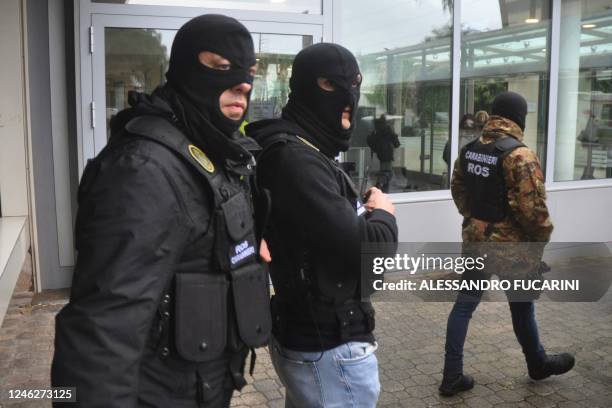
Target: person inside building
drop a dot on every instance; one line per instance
(169, 293)
(322, 346)
(480, 119)
(383, 141)
(468, 130)
(498, 187)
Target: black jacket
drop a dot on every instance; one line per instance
(145, 215)
(383, 141)
(311, 213)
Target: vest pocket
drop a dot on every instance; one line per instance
(252, 303)
(201, 316)
(235, 240)
(238, 216)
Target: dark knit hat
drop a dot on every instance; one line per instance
(511, 105)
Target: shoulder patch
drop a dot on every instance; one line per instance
(202, 159)
(507, 143)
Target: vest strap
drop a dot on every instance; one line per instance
(160, 130)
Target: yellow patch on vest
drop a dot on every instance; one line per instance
(201, 158)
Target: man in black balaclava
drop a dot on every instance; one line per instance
(498, 188)
(169, 293)
(314, 233)
(203, 82)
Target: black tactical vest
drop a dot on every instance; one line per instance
(226, 305)
(301, 286)
(482, 167)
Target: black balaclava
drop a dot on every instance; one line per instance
(200, 86)
(511, 105)
(317, 111)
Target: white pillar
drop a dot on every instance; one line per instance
(567, 101)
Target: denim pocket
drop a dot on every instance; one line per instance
(354, 352)
(359, 368)
(299, 373)
(294, 357)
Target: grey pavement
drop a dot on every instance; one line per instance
(411, 338)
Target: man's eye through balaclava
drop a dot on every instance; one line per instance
(200, 85)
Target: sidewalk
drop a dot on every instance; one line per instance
(411, 337)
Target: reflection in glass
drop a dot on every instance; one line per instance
(291, 6)
(584, 103)
(137, 60)
(404, 52)
(271, 86)
(504, 47)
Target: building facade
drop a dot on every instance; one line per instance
(428, 65)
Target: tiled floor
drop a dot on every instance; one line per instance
(411, 337)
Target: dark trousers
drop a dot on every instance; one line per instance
(385, 175)
(173, 382)
(523, 323)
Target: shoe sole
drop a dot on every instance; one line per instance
(551, 374)
(448, 393)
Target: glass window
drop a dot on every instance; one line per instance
(584, 104)
(504, 47)
(287, 6)
(137, 59)
(404, 52)
(274, 59)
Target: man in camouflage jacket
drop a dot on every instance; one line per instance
(498, 187)
(529, 219)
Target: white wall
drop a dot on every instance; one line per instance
(433, 221)
(582, 215)
(14, 227)
(579, 215)
(13, 180)
(14, 246)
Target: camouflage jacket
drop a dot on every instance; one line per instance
(528, 219)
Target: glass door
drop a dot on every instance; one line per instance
(131, 53)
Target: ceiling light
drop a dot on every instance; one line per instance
(277, 1)
(590, 25)
(532, 20)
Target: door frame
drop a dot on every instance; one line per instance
(95, 138)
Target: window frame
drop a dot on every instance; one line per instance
(551, 127)
(89, 15)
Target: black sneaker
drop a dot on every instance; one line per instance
(555, 364)
(448, 388)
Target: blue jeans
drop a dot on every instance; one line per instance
(345, 376)
(523, 323)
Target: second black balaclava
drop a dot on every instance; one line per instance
(317, 111)
(511, 105)
(201, 86)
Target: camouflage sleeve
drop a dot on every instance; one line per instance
(527, 194)
(458, 190)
